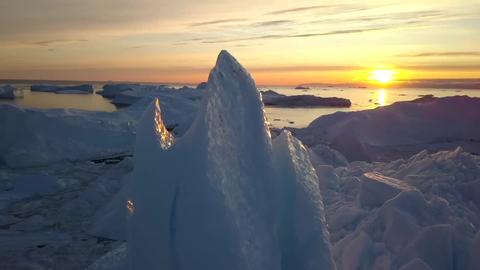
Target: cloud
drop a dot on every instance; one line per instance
(445, 67)
(429, 54)
(217, 22)
(299, 9)
(304, 68)
(306, 35)
(345, 8)
(56, 42)
(271, 23)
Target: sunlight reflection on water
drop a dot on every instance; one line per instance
(382, 97)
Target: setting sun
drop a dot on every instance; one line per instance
(382, 75)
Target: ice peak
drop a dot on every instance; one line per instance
(225, 59)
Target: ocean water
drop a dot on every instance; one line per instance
(361, 98)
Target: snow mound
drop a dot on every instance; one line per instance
(32, 137)
(399, 130)
(217, 185)
(61, 89)
(7, 92)
(272, 98)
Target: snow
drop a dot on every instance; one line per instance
(32, 185)
(376, 189)
(272, 98)
(399, 130)
(59, 89)
(37, 233)
(114, 260)
(325, 155)
(304, 238)
(33, 223)
(33, 137)
(416, 264)
(420, 218)
(7, 92)
(434, 246)
(172, 206)
(202, 86)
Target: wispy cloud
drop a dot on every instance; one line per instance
(217, 22)
(340, 7)
(430, 54)
(272, 23)
(306, 35)
(299, 9)
(443, 67)
(395, 16)
(304, 68)
(56, 42)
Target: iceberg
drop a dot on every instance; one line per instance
(218, 197)
(7, 92)
(111, 90)
(61, 89)
(33, 137)
(272, 98)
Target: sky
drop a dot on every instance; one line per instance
(281, 42)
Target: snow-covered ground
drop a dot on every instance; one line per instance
(209, 188)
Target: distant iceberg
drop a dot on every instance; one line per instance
(272, 98)
(7, 92)
(222, 196)
(60, 89)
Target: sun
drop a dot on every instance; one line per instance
(382, 76)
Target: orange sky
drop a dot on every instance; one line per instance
(281, 42)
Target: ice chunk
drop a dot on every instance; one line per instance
(474, 253)
(303, 230)
(416, 264)
(113, 260)
(202, 86)
(7, 92)
(324, 155)
(434, 246)
(61, 89)
(375, 189)
(354, 252)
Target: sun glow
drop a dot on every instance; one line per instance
(382, 76)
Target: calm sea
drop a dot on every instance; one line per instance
(362, 99)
